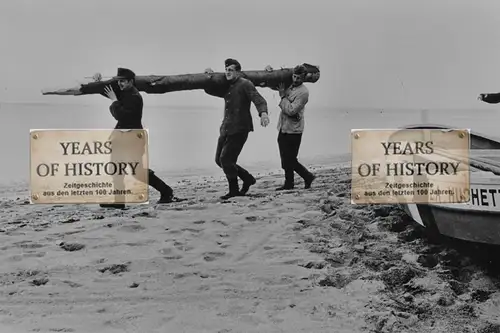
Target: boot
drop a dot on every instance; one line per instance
(233, 189)
(308, 181)
(165, 200)
(289, 181)
(247, 178)
(115, 206)
(305, 174)
(166, 192)
(246, 184)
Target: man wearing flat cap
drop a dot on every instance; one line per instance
(291, 127)
(238, 93)
(127, 110)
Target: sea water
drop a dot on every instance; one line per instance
(183, 139)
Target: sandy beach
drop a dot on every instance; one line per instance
(293, 261)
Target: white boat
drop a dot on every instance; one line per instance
(479, 219)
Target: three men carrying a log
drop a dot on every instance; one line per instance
(236, 125)
(238, 89)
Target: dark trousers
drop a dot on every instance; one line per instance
(155, 182)
(120, 153)
(289, 145)
(228, 149)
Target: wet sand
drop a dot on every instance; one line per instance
(293, 261)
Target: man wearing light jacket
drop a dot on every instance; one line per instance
(291, 127)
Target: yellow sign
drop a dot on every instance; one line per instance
(410, 166)
(89, 166)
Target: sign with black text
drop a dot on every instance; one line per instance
(410, 166)
(89, 166)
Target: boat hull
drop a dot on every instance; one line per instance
(475, 221)
(475, 225)
(470, 225)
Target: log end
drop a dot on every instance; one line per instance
(313, 73)
(71, 91)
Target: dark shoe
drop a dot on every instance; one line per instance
(165, 200)
(289, 181)
(234, 191)
(246, 185)
(159, 185)
(308, 182)
(285, 187)
(170, 199)
(231, 195)
(115, 206)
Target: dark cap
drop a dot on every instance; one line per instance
(229, 62)
(300, 70)
(124, 73)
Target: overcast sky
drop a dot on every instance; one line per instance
(372, 53)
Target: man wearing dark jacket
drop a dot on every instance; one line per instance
(238, 93)
(127, 110)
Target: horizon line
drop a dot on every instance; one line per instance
(192, 106)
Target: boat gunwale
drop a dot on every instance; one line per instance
(440, 126)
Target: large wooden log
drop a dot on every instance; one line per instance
(161, 84)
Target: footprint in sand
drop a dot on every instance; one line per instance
(71, 219)
(184, 275)
(18, 224)
(221, 222)
(19, 276)
(256, 195)
(145, 214)
(28, 245)
(33, 254)
(16, 257)
(211, 256)
(173, 257)
(140, 243)
(116, 268)
(72, 284)
(166, 250)
(72, 232)
(170, 254)
(182, 246)
(314, 265)
(222, 245)
(39, 282)
(132, 228)
(189, 207)
(194, 231)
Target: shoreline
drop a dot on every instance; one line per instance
(179, 178)
(294, 261)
